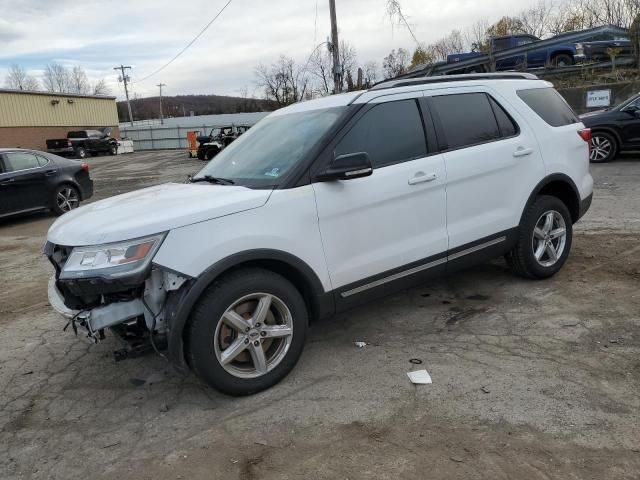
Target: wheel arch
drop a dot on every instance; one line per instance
(71, 183)
(298, 272)
(562, 187)
(610, 131)
(556, 53)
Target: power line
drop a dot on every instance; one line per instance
(188, 45)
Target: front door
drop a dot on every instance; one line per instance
(391, 224)
(24, 181)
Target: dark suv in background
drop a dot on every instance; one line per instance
(614, 130)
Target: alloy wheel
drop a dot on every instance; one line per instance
(600, 148)
(549, 238)
(254, 335)
(67, 199)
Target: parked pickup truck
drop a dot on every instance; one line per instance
(81, 143)
(597, 51)
(559, 55)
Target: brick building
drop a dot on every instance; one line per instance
(28, 119)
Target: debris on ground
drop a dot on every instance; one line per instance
(164, 408)
(415, 361)
(485, 389)
(360, 344)
(419, 377)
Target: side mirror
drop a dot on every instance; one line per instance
(347, 167)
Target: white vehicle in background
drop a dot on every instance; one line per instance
(321, 206)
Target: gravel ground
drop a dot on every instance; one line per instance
(535, 380)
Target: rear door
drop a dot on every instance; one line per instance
(25, 180)
(492, 161)
(391, 224)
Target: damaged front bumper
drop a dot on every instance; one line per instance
(96, 319)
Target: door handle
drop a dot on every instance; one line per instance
(421, 177)
(522, 151)
(7, 182)
(50, 173)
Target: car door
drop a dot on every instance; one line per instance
(390, 224)
(628, 122)
(492, 160)
(25, 181)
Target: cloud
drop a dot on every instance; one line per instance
(147, 33)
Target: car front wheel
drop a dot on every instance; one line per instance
(81, 152)
(603, 147)
(544, 242)
(247, 331)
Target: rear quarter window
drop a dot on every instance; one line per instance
(549, 105)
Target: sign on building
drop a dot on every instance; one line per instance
(598, 98)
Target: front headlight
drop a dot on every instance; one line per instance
(112, 260)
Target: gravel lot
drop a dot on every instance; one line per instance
(531, 380)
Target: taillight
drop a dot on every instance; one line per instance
(585, 134)
(69, 143)
(84, 166)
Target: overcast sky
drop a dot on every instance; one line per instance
(99, 35)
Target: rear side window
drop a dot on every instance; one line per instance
(80, 134)
(507, 126)
(466, 118)
(389, 132)
(549, 105)
(14, 162)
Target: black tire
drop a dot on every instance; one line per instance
(113, 150)
(600, 154)
(203, 323)
(562, 60)
(212, 152)
(200, 154)
(521, 258)
(81, 152)
(67, 191)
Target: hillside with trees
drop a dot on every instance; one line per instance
(182, 105)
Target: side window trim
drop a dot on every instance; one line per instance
(441, 136)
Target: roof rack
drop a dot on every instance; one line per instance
(453, 78)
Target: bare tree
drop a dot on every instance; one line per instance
(452, 43)
(475, 36)
(282, 81)
(370, 72)
(18, 79)
(395, 13)
(320, 67)
(395, 63)
(100, 88)
(348, 59)
(535, 19)
(56, 78)
(78, 81)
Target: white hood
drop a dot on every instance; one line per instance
(151, 210)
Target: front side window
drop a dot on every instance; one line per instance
(389, 132)
(269, 150)
(549, 105)
(466, 119)
(17, 161)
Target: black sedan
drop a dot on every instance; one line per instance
(614, 130)
(31, 181)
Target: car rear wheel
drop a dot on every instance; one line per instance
(113, 150)
(603, 147)
(247, 331)
(66, 199)
(544, 242)
(562, 60)
(81, 152)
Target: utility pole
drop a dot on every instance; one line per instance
(161, 85)
(337, 71)
(125, 78)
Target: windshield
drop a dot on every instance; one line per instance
(263, 155)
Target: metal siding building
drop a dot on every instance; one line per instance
(27, 119)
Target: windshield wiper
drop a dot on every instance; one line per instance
(212, 179)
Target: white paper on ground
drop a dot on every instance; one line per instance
(360, 344)
(419, 377)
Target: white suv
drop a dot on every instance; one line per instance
(320, 206)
